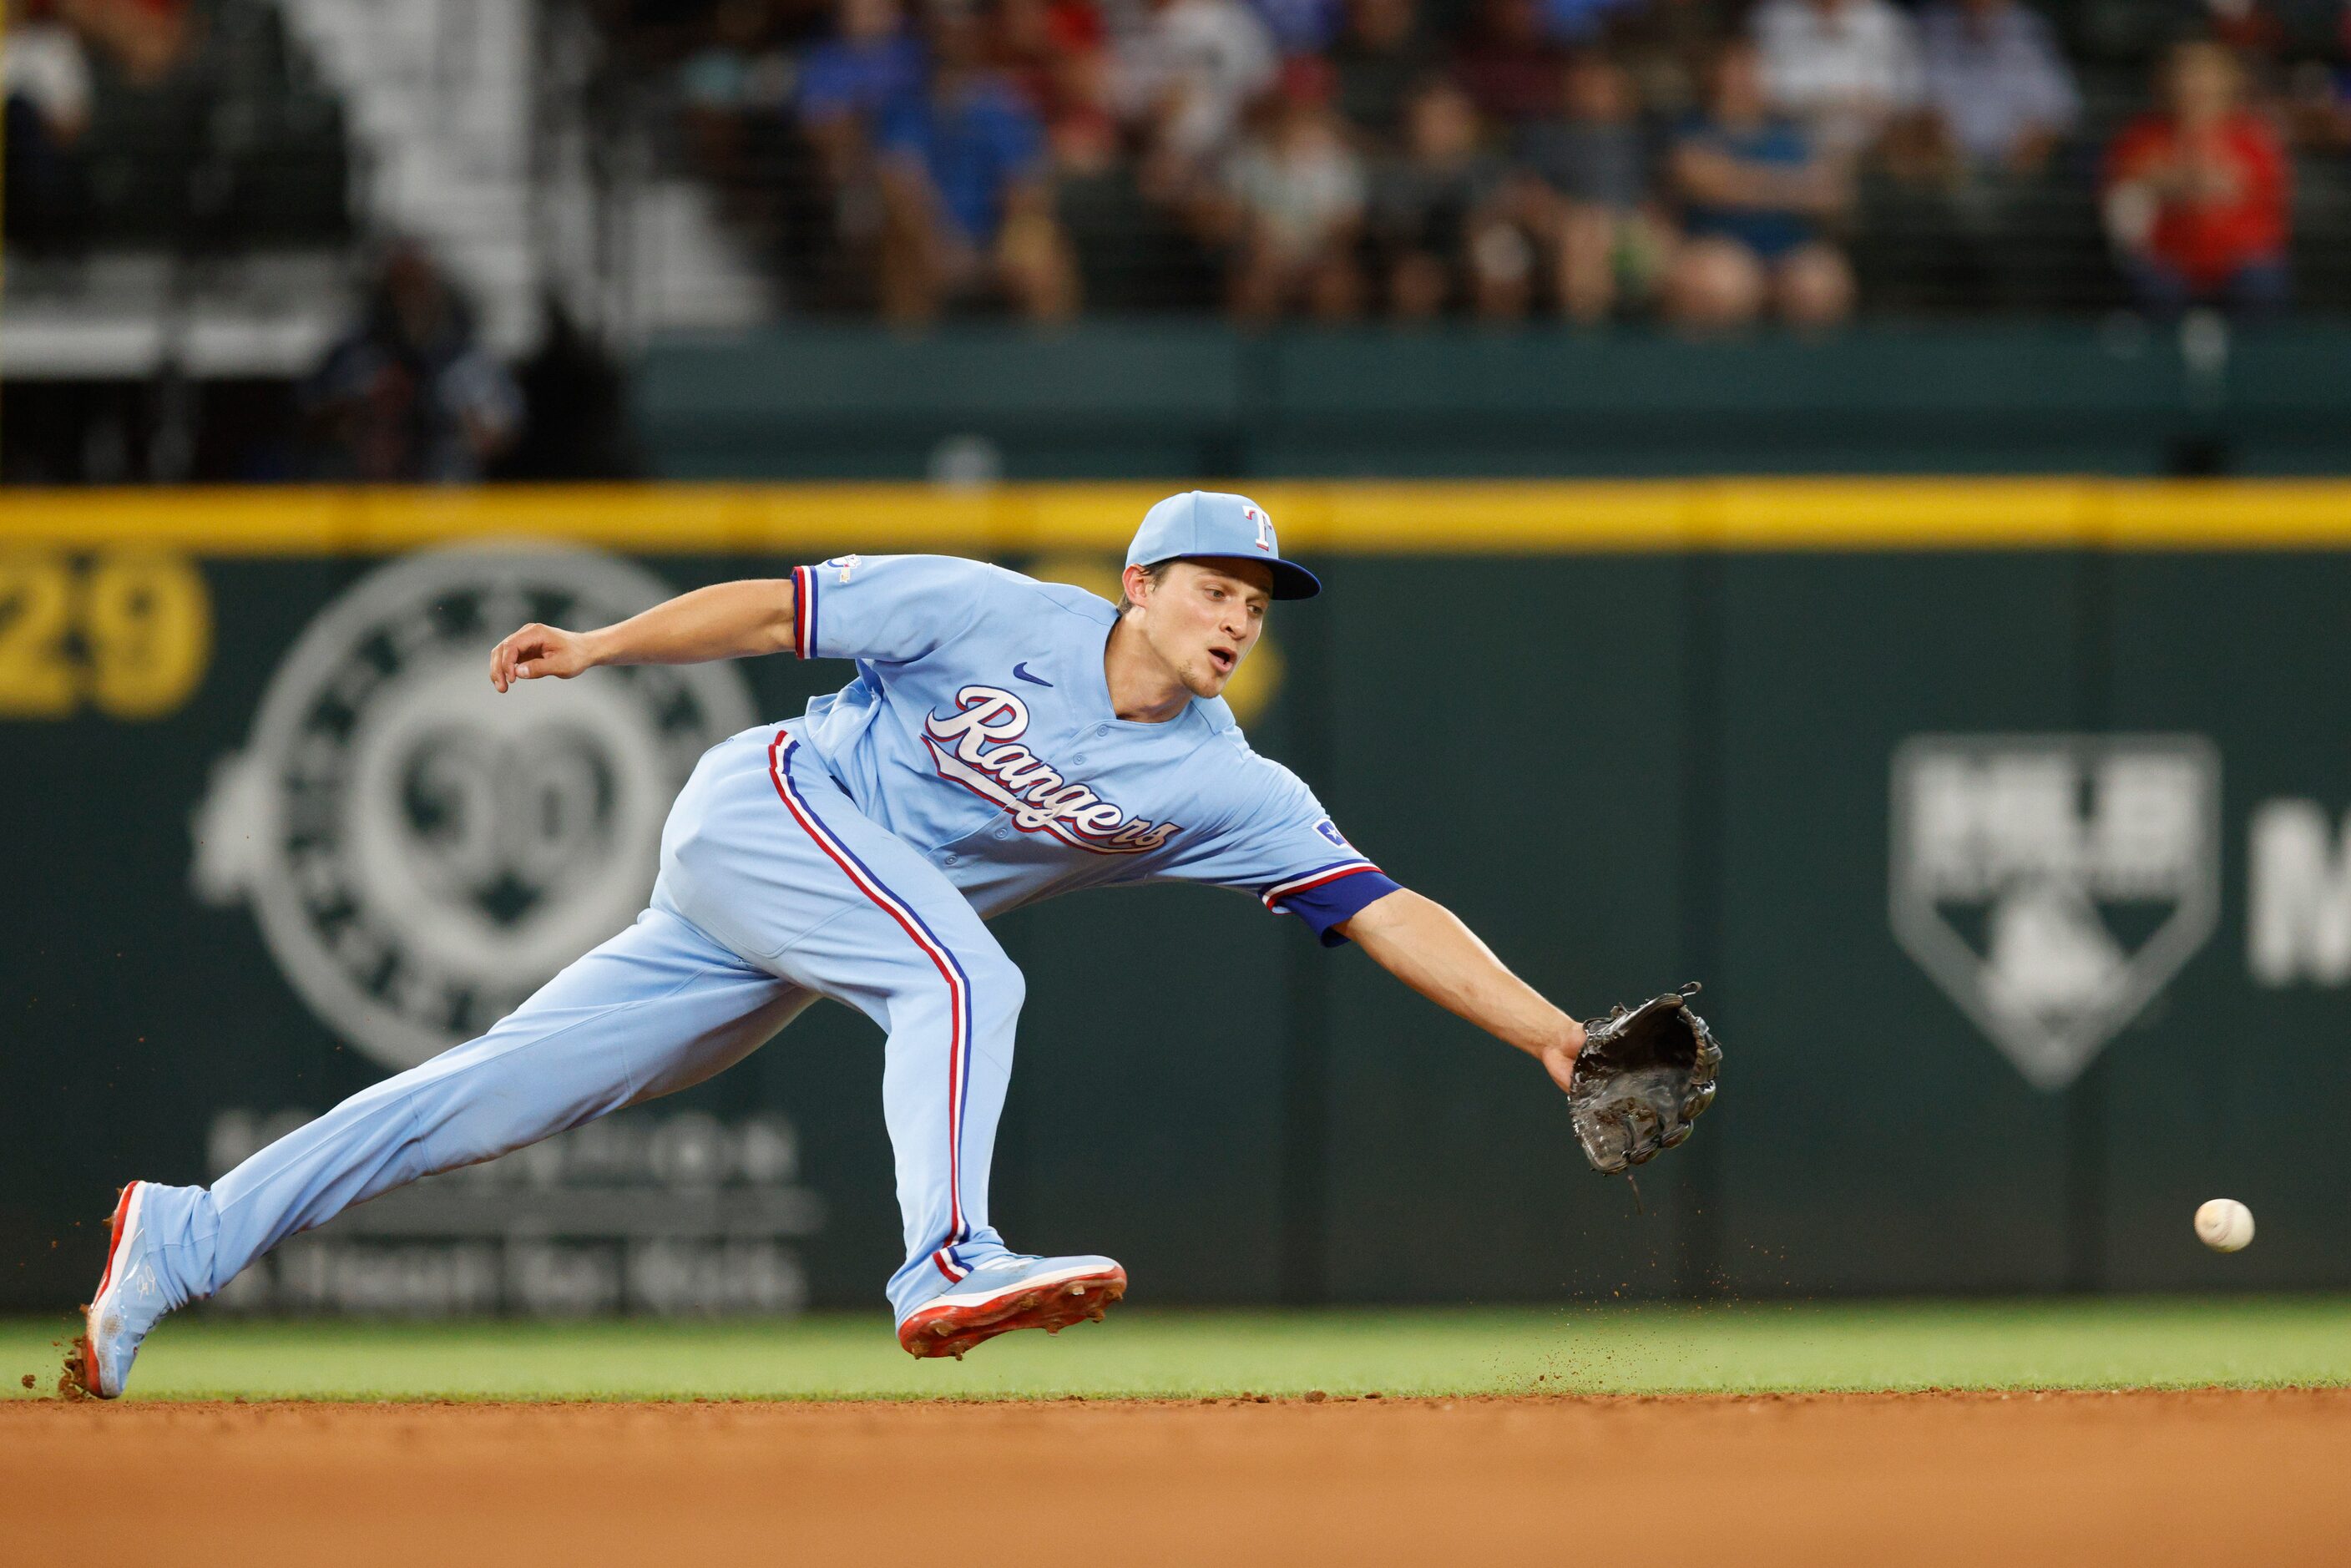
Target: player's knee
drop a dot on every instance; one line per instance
(998, 987)
(1010, 988)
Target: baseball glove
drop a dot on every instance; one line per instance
(1641, 1078)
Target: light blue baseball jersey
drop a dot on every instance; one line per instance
(979, 730)
(978, 739)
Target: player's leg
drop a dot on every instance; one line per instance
(655, 1008)
(904, 947)
(658, 1007)
(899, 943)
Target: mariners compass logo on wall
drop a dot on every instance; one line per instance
(422, 853)
(2053, 884)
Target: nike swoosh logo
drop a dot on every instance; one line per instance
(1021, 670)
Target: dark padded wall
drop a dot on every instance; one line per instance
(1625, 771)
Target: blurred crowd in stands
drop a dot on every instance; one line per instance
(1705, 162)
(177, 125)
(197, 130)
(48, 60)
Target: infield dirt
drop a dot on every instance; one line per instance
(2021, 1479)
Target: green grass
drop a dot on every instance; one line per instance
(1745, 1348)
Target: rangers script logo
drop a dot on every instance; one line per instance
(422, 853)
(973, 746)
(2053, 884)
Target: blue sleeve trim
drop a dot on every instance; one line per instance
(1274, 896)
(1337, 901)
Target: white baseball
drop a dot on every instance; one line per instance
(2223, 1224)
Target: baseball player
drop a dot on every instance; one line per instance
(1004, 740)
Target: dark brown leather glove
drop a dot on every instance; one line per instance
(1641, 1078)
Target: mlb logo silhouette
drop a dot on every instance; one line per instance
(2053, 884)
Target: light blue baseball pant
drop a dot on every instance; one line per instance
(774, 890)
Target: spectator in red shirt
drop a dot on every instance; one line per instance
(2196, 197)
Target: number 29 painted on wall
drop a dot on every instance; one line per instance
(130, 633)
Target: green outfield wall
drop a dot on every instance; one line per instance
(2003, 822)
(1174, 398)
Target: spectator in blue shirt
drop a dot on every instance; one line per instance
(847, 85)
(869, 67)
(1755, 195)
(967, 206)
(1302, 26)
(1580, 21)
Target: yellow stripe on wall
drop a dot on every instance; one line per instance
(1381, 518)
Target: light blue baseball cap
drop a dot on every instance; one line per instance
(1209, 525)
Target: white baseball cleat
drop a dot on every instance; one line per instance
(133, 1296)
(1008, 1293)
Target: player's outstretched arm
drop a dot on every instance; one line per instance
(725, 621)
(1425, 945)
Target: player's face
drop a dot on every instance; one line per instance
(1204, 617)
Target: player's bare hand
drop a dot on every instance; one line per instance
(1559, 1056)
(537, 652)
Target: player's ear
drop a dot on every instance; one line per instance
(1136, 583)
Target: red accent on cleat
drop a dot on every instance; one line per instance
(951, 1330)
(114, 1235)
